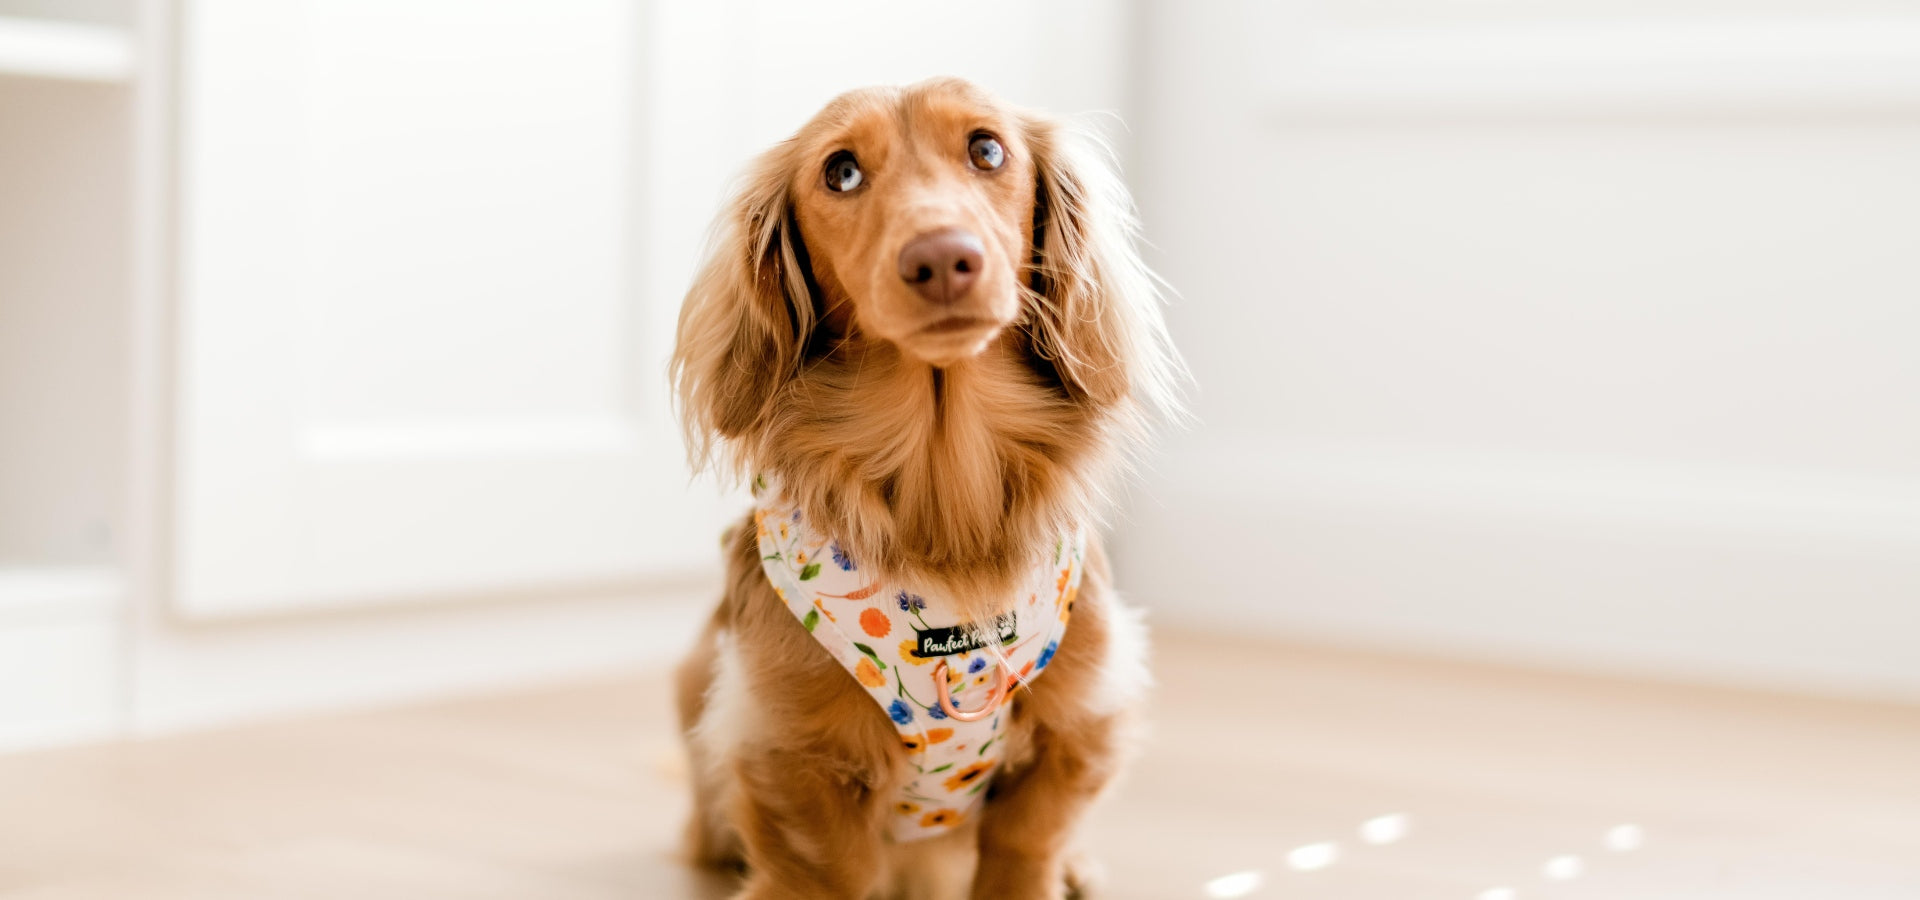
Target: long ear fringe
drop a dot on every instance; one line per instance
(744, 322)
(1095, 303)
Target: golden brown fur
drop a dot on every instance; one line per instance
(949, 457)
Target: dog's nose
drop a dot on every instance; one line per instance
(942, 264)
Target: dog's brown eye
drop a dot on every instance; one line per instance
(986, 152)
(843, 172)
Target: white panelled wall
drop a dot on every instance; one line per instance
(333, 336)
(1585, 336)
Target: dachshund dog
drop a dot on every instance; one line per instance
(925, 337)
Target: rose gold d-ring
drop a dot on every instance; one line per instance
(942, 690)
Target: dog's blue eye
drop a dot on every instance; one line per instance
(986, 152)
(843, 172)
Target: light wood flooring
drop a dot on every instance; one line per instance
(1264, 765)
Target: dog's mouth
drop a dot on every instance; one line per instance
(955, 325)
(952, 339)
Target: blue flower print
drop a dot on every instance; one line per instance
(1046, 656)
(840, 557)
(979, 662)
(901, 713)
(910, 602)
(934, 712)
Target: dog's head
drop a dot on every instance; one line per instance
(935, 219)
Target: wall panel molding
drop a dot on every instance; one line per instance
(1651, 66)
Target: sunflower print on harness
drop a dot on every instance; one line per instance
(891, 637)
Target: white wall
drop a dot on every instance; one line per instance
(1592, 354)
(714, 83)
(1583, 336)
(62, 318)
(63, 368)
(196, 345)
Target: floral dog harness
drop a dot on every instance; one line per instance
(940, 680)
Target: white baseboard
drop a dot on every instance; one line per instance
(1790, 580)
(59, 642)
(196, 676)
(41, 593)
(63, 678)
(58, 680)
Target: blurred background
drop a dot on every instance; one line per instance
(1582, 335)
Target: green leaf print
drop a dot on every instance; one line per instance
(812, 619)
(941, 769)
(808, 571)
(871, 655)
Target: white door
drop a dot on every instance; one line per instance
(414, 362)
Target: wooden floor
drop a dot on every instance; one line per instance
(1265, 769)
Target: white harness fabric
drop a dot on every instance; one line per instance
(890, 636)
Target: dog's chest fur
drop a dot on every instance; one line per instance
(943, 680)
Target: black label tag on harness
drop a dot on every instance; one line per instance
(937, 642)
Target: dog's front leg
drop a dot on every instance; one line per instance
(1027, 828)
(811, 828)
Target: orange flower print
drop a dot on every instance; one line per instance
(937, 735)
(910, 653)
(966, 777)
(868, 674)
(874, 622)
(941, 818)
(906, 807)
(914, 742)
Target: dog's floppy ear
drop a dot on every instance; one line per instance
(1094, 307)
(746, 319)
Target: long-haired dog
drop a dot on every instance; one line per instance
(925, 336)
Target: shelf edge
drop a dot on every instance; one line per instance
(65, 51)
